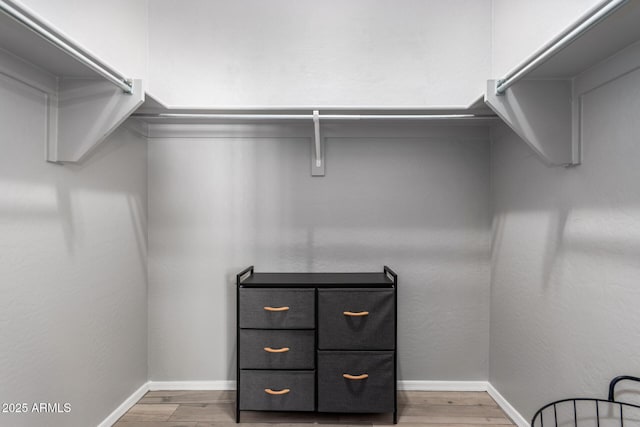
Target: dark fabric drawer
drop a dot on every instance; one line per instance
(337, 331)
(339, 394)
(301, 345)
(299, 315)
(301, 395)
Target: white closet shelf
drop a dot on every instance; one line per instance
(541, 98)
(155, 112)
(618, 30)
(86, 99)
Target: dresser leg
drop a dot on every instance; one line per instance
(237, 415)
(395, 417)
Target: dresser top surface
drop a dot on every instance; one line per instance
(312, 280)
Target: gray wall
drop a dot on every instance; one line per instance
(73, 291)
(565, 262)
(416, 199)
(332, 52)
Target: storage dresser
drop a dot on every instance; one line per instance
(324, 342)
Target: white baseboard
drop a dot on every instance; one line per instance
(442, 385)
(402, 385)
(125, 406)
(192, 385)
(515, 416)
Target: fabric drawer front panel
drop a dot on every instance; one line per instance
(277, 390)
(375, 393)
(277, 349)
(356, 320)
(277, 308)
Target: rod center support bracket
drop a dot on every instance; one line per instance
(317, 160)
(316, 129)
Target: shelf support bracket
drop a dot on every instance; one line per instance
(317, 159)
(88, 111)
(540, 112)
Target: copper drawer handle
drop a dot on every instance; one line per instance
(276, 392)
(355, 314)
(276, 308)
(276, 350)
(356, 377)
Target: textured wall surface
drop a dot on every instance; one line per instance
(566, 243)
(416, 200)
(115, 31)
(333, 52)
(73, 293)
(520, 27)
(566, 259)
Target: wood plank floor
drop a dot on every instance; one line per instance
(217, 408)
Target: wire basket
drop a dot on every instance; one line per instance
(590, 412)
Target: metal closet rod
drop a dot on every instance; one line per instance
(34, 24)
(241, 116)
(562, 40)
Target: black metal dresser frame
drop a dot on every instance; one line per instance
(249, 272)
